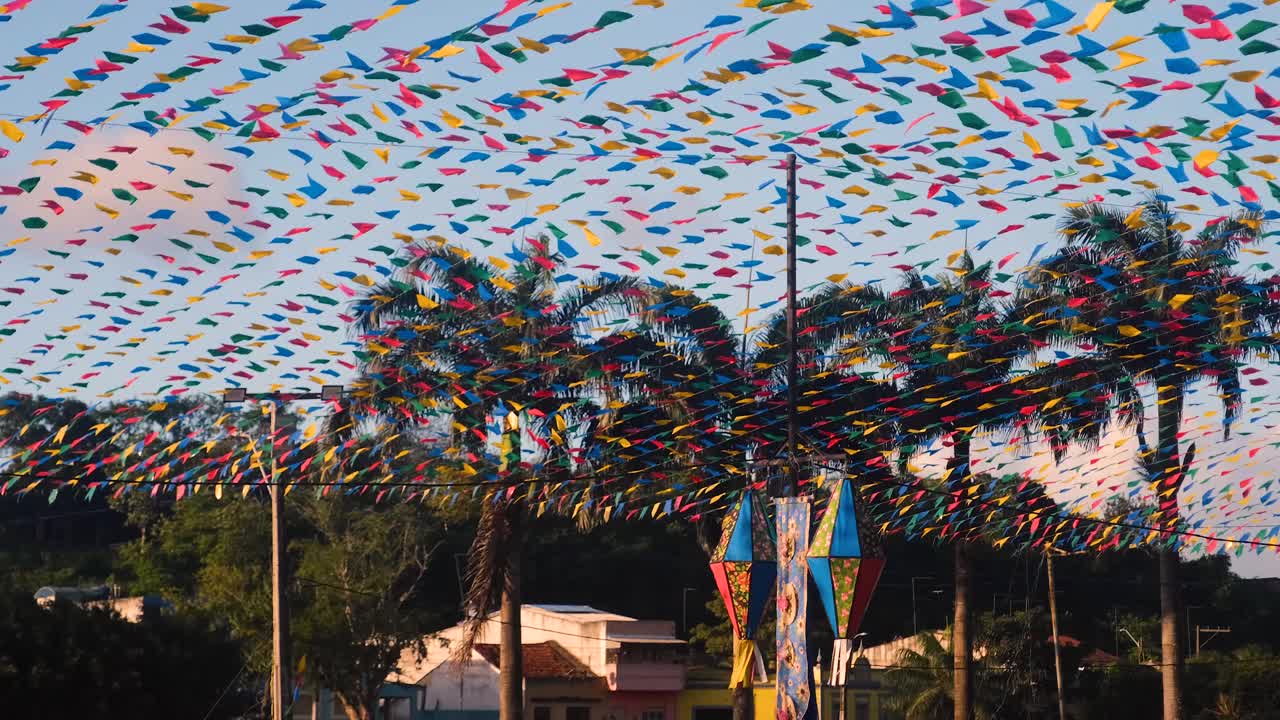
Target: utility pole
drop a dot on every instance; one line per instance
(1053, 618)
(915, 625)
(793, 370)
(1212, 632)
(281, 693)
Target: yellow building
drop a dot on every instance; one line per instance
(701, 700)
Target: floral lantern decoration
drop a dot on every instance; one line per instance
(845, 571)
(745, 566)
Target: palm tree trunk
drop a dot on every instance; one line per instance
(510, 652)
(744, 702)
(961, 632)
(962, 638)
(1170, 638)
(1169, 481)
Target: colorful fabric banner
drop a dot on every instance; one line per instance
(794, 688)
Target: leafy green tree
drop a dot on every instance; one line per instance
(363, 570)
(355, 602)
(715, 637)
(65, 661)
(1243, 684)
(1168, 310)
(1119, 692)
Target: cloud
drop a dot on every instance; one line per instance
(124, 184)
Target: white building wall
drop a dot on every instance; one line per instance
(476, 688)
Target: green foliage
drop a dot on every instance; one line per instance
(715, 637)
(360, 574)
(1118, 692)
(357, 569)
(1239, 685)
(67, 661)
(921, 682)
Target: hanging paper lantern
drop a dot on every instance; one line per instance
(745, 565)
(844, 571)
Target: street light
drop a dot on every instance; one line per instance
(1141, 656)
(859, 638)
(280, 686)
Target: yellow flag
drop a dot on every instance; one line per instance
(11, 131)
(1205, 158)
(1128, 60)
(1095, 17)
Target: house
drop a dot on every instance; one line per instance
(556, 686)
(134, 609)
(581, 663)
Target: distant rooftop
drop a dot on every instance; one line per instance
(49, 594)
(570, 609)
(542, 661)
(582, 612)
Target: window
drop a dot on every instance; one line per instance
(541, 712)
(577, 712)
(713, 713)
(862, 708)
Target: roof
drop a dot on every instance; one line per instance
(73, 594)
(645, 640)
(574, 609)
(1099, 657)
(582, 613)
(542, 661)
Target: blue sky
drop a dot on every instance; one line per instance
(861, 242)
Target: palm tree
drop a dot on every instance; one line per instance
(701, 396)
(1165, 309)
(953, 349)
(922, 683)
(458, 341)
(691, 379)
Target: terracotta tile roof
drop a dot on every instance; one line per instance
(543, 661)
(1099, 657)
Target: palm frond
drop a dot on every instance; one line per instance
(625, 293)
(488, 562)
(693, 328)
(1073, 401)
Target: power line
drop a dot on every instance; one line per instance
(1008, 510)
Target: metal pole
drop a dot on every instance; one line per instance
(281, 691)
(1188, 610)
(279, 608)
(915, 626)
(684, 611)
(1053, 618)
(793, 370)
